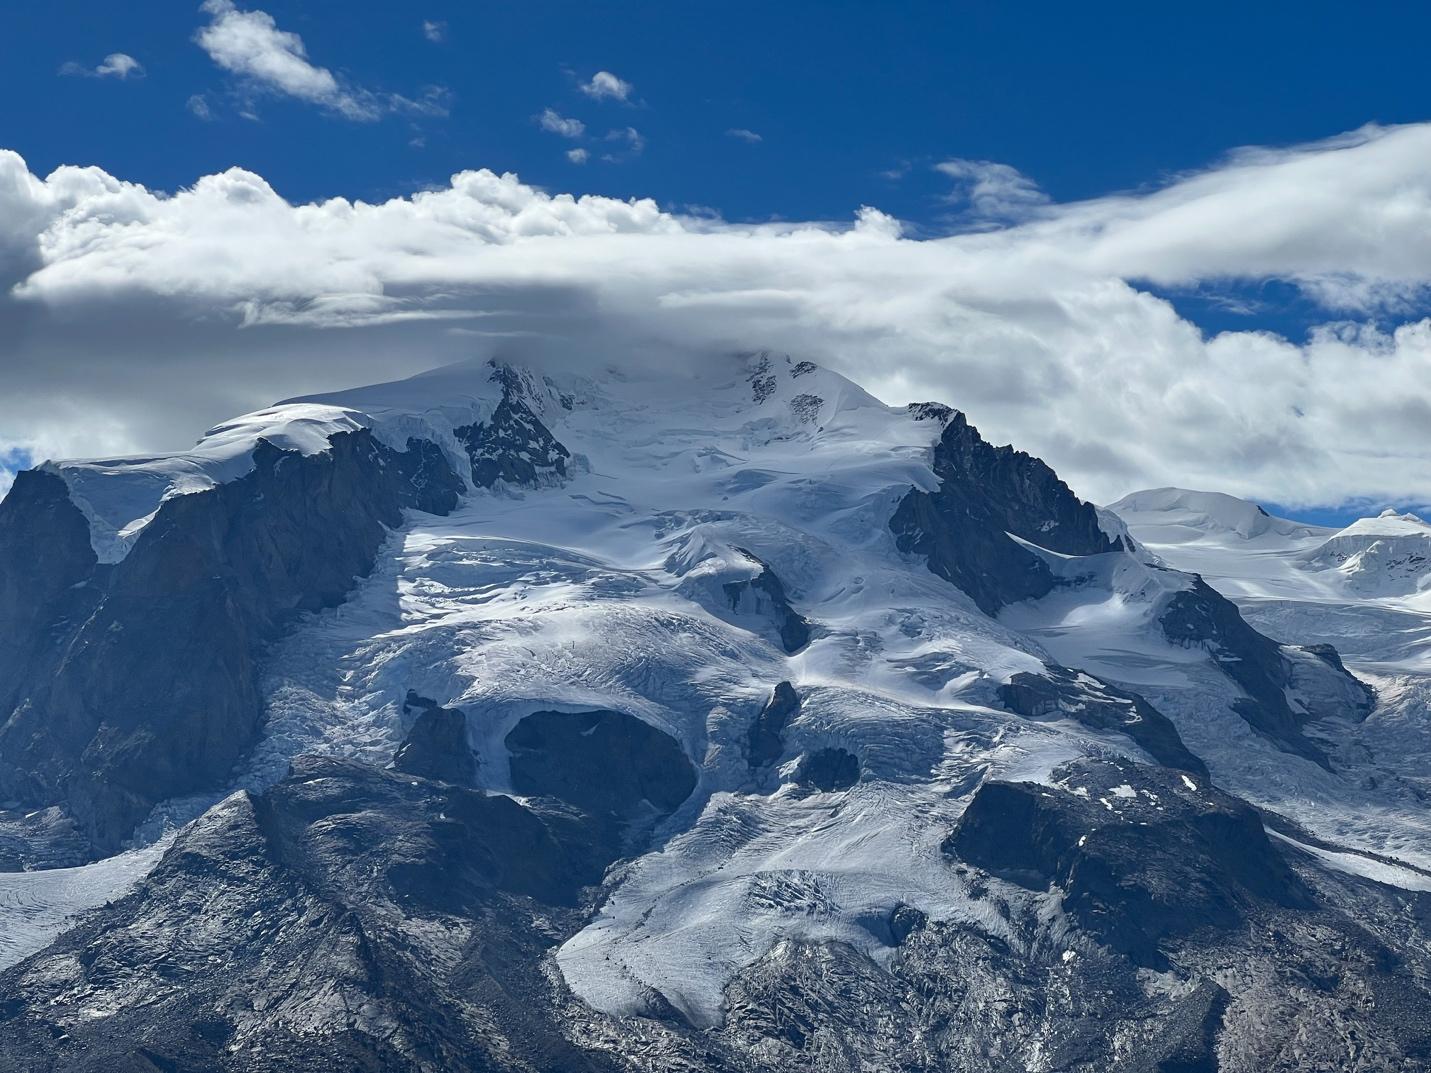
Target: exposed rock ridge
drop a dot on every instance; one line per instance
(135, 681)
(987, 496)
(1062, 693)
(435, 746)
(1203, 617)
(1144, 857)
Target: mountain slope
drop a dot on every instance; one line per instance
(697, 684)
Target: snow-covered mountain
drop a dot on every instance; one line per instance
(540, 716)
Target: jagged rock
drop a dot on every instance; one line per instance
(513, 446)
(760, 378)
(1142, 857)
(436, 745)
(347, 919)
(429, 482)
(1203, 617)
(150, 692)
(766, 742)
(806, 408)
(1062, 693)
(930, 411)
(985, 494)
(604, 762)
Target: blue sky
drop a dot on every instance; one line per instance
(1083, 99)
(757, 112)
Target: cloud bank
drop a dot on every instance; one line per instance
(140, 317)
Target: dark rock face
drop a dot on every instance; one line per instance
(429, 483)
(1142, 859)
(436, 745)
(1063, 693)
(513, 445)
(930, 411)
(828, 770)
(46, 561)
(986, 493)
(766, 742)
(606, 763)
(136, 680)
(1203, 617)
(349, 919)
(1188, 1040)
(353, 919)
(765, 595)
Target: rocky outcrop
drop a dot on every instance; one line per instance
(347, 919)
(1360, 698)
(1060, 693)
(1187, 1040)
(987, 497)
(1143, 856)
(828, 770)
(766, 741)
(513, 446)
(135, 681)
(429, 482)
(605, 763)
(1202, 617)
(435, 746)
(764, 596)
(363, 920)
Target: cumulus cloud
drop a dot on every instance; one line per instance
(434, 31)
(136, 316)
(578, 155)
(605, 86)
(553, 121)
(743, 135)
(118, 65)
(249, 45)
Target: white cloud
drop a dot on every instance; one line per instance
(137, 317)
(198, 105)
(118, 65)
(556, 123)
(578, 156)
(741, 134)
(605, 86)
(629, 142)
(993, 191)
(434, 31)
(249, 44)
